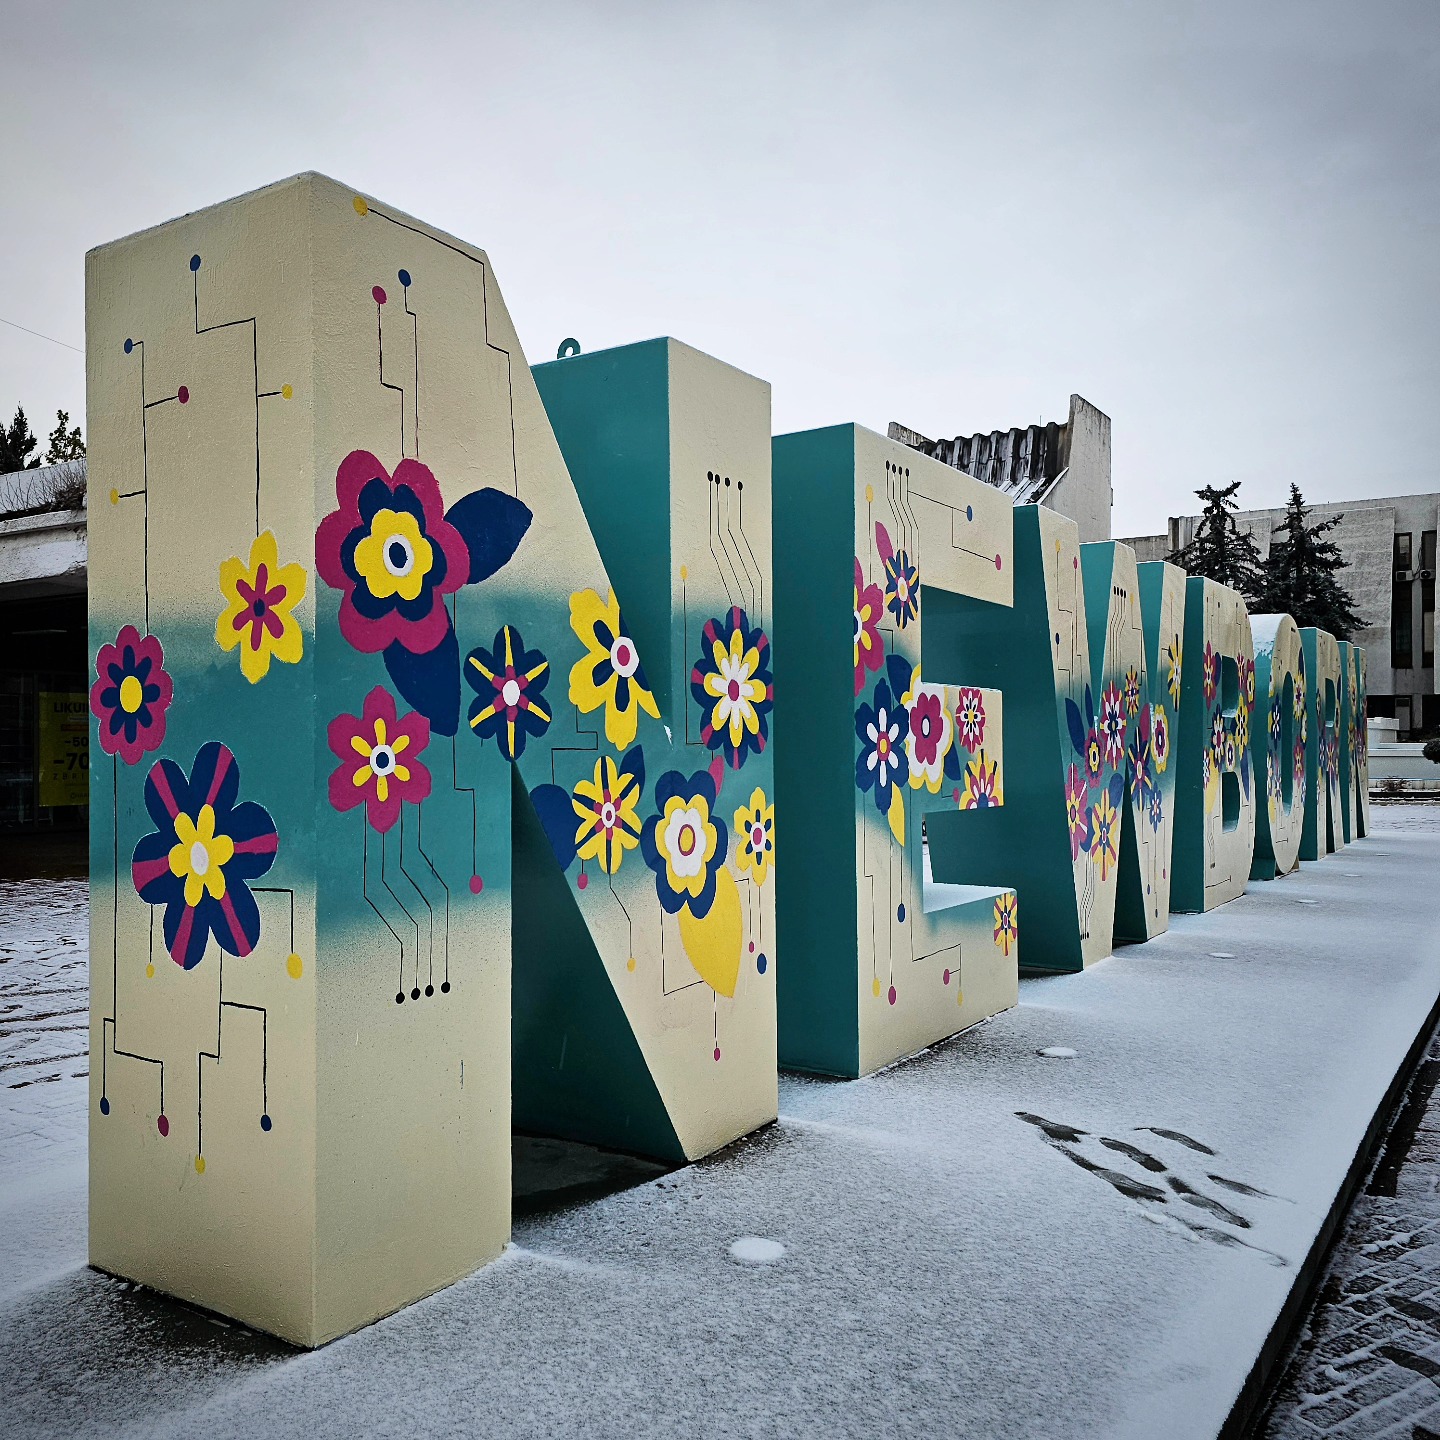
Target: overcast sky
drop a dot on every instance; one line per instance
(1216, 221)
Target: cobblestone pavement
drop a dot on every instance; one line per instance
(1367, 1363)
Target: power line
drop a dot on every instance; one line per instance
(39, 336)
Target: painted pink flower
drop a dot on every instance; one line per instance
(392, 554)
(970, 712)
(131, 695)
(1210, 669)
(379, 759)
(869, 606)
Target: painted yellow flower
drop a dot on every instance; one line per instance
(609, 672)
(755, 830)
(395, 557)
(1007, 925)
(1172, 678)
(686, 838)
(605, 806)
(260, 599)
(200, 856)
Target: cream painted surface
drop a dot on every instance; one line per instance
(1228, 851)
(1278, 638)
(923, 504)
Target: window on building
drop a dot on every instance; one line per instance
(1402, 716)
(1427, 599)
(1402, 628)
(1404, 552)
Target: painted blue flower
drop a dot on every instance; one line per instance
(685, 843)
(205, 850)
(509, 681)
(881, 728)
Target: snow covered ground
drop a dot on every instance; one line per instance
(984, 1240)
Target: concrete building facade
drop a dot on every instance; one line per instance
(1390, 546)
(1065, 467)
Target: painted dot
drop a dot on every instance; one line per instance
(183, 394)
(969, 512)
(194, 263)
(415, 993)
(752, 947)
(1057, 637)
(163, 1124)
(265, 1123)
(761, 963)
(403, 276)
(717, 1052)
(583, 881)
(900, 913)
(199, 1164)
(476, 884)
(361, 208)
(1075, 563)
(869, 494)
(114, 497)
(892, 994)
(104, 1105)
(959, 996)
(399, 997)
(445, 988)
(955, 795)
(684, 572)
(150, 971)
(294, 967)
(378, 295)
(999, 562)
(875, 988)
(287, 392)
(129, 346)
(945, 978)
(630, 964)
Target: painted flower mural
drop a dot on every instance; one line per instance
(1160, 738)
(755, 836)
(1077, 811)
(1132, 691)
(1210, 669)
(902, 579)
(882, 727)
(1112, 726)
(685, 844)
(1173, 657)
(260, 597)
(379, 754)
(982, 784)
(509, 683)
(130, 695)
(931, 735)
(869, 649)
(1104, 833)
(608, 822)
(1007, 924)
(609, 674)
(1217, 734)
(395, 553)
(203, 854)
(970, 713)
(732, 684)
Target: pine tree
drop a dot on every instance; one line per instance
(1302, 573)
(16, 443)
(1220, 550)
(65, 444)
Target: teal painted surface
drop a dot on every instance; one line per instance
(1024, 843)
(1187, 853)
(578, 1069)
(1345, 720)
(815, 899)
(1317, 835)
(610, 412)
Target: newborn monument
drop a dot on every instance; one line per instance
(440, 737)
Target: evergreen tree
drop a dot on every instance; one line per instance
(1221, 550)
(16, 443)
(1302, 573)
(65, 444)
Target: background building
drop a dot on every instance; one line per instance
(1390, 546)
(44, 665)
(1065, 467)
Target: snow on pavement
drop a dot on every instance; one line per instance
(983, 1239)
